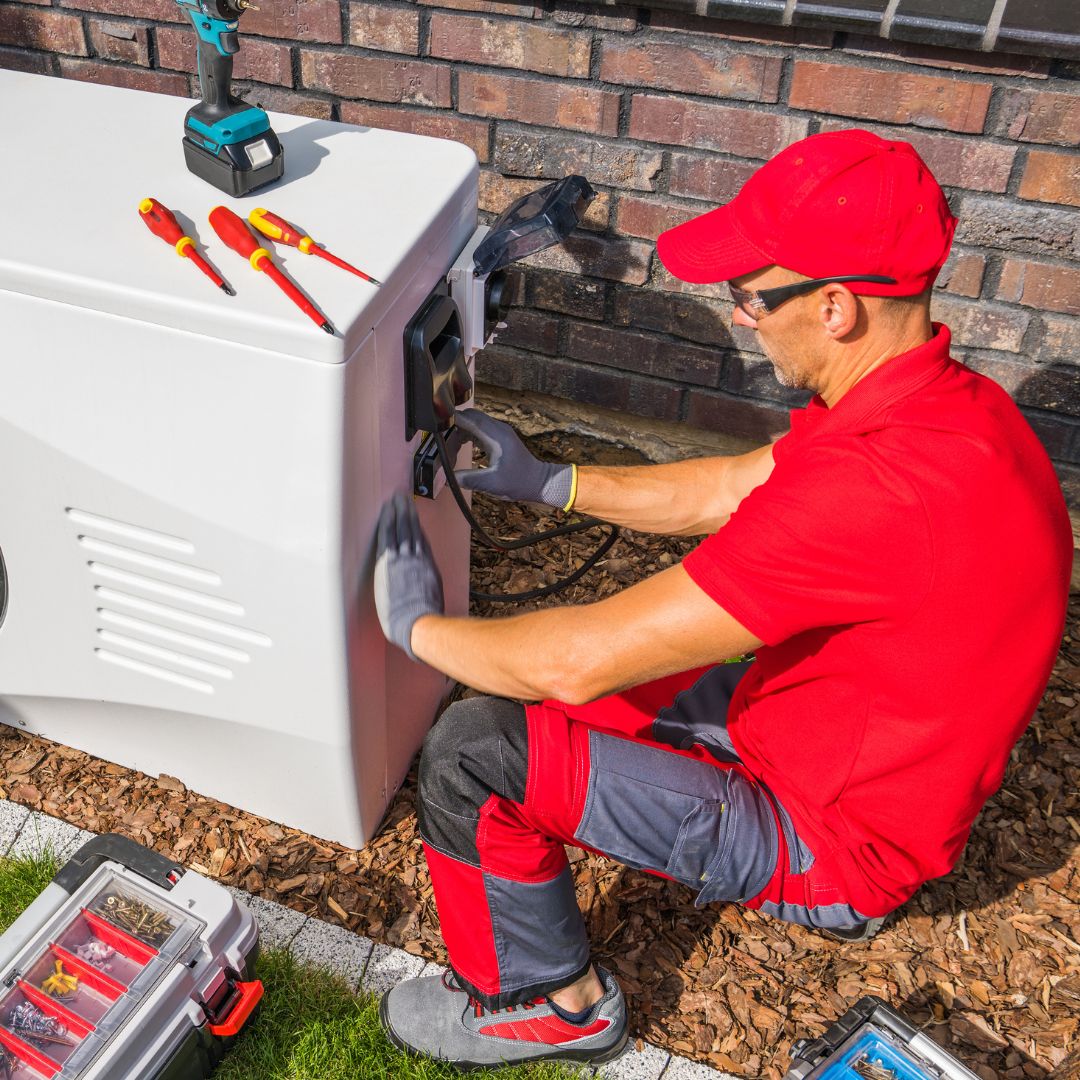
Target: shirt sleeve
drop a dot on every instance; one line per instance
(837, 535)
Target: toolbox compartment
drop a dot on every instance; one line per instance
(126, 967)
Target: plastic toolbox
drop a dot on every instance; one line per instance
(872, 1042)
(126, 966)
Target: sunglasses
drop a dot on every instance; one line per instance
(759, 304)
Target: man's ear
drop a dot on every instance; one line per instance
(838, 310)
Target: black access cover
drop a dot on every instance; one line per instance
(536, 221)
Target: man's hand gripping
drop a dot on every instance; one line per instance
(512, 473)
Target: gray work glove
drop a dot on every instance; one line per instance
(512, 472)
(407, 582)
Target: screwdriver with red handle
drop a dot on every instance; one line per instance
(161, 221)
(235, 233)
(280, 230)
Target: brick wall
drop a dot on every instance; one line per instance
(666, 113)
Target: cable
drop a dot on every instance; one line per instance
(523, 541)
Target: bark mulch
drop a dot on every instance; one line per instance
(987, 959)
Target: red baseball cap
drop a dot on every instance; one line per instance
(842, 202)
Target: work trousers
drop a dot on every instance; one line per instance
(649, 778)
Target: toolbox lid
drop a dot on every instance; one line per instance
(79, 158)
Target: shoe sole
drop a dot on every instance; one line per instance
(471, 1066)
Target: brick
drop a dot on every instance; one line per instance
(1010, 375)
(1056, 433)
(613, 17)
(497, 192)
(298, 20)
(569, 294)
(662, 280)
(711, 72)
(157, 10)
(937, 56)
(648, 218)
(707, 322)
(894, 97)
(954, 160)
(1051, 177)
(1049, 388)
(981, 326)
(537, 101)
(274, 99)
(743, 132)
(120, 41)
(614, 260)
(1040, 285)
(1040, 116)
(391, 29)
(473, 133)
(962, 274)
(257, 61)
(489, 7)
(702, 176)
(738, 417)
(617, 165)
(684, 22)
(376, 78)
(1060, 342)
(624, 349)
(1015, 227)
(534, 331)
(578, 382)
(27, 28)
(131, 78)
(23, 60)
(518, 45)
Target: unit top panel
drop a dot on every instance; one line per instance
(79, 159)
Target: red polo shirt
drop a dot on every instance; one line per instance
(907, 565)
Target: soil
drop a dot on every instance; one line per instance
(986, 960)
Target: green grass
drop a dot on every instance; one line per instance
(21, 880)
(311, 1025)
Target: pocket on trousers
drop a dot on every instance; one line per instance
(707, 827)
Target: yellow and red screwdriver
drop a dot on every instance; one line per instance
(235, 233)
(280, 230)
(161, 221)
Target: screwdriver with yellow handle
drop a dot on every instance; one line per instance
(280, 230)
(161, 221)
(234, 232)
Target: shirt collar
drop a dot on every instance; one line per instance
(892, 380)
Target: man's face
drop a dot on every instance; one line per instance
(786, 334)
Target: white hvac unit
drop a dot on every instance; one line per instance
(189, 481)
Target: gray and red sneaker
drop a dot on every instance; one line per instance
(435, 1017)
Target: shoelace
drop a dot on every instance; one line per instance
(479, 1008)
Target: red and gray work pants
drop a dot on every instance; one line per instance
(649, 778)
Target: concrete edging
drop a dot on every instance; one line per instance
(366, 965)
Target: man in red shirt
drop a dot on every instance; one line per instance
(898, 564)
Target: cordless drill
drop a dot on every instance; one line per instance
(228, 143)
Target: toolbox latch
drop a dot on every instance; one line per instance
(231, 1006)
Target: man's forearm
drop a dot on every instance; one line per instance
(659, 626)
(684, 498)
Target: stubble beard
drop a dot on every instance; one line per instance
(788, 376)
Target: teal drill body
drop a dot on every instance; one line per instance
(226, 142)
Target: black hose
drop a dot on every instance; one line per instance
(525, 541)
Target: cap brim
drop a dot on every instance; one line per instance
(709, 248)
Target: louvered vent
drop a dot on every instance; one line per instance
(158, 614)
